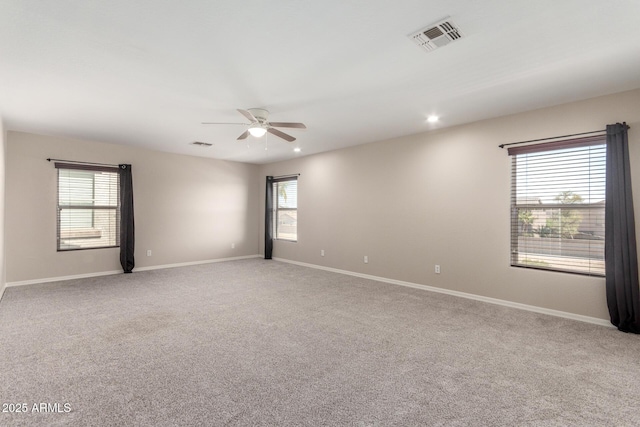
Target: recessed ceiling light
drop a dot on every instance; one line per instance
(433, 119)
(297, 149)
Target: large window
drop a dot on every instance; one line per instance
(285, 209)
(557, 206)
(88, 207)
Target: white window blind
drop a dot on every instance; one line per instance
(557, 206)
(88, 207)
(285, 203)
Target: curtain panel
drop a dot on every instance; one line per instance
(268, 219)
(621, 256)
(127, 226)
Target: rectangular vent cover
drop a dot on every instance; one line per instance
(436, 35)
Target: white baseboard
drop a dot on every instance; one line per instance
(61, 278)
(533, 308)
(185, 264)
(109, 273)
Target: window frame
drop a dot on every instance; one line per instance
(598, 207)
(60, 207)
(276, 207)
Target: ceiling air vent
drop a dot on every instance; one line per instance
(201, 144)
(436, 35)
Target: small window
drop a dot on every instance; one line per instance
(285, 212)
(88, 207)
(557, 206)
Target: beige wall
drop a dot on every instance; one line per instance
(443, 198)
(2, 205)
(186, 208)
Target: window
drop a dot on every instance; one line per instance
(285, 208)
(88, 207)
(557, 206)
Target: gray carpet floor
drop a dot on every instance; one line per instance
(257, 342)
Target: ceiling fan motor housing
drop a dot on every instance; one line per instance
(260, 114)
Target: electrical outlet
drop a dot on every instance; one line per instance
(233, 246)
(437, 269)
(366, 259)
(148, 252)
(321, 252)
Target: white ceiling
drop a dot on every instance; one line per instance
(148, 72)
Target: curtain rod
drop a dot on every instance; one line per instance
(285, 176)
(84, 163)
(552, 137)
(556, 137)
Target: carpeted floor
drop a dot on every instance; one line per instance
(257, 342)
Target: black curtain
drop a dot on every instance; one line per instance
(621, 257)
(268, 219)
(127, 228)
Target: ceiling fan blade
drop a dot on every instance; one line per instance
(282, 135)
(248, 115)
(288, 125)
(244, 135)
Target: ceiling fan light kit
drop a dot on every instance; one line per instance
(257, 131)
(259, 125)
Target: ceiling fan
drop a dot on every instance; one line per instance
(259, 125)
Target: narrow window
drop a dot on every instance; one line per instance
(88, 207)
(285, 203)
(557, 206)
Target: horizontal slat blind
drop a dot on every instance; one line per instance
(285, 192)
(88, 208)
(557, 207)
